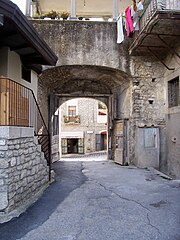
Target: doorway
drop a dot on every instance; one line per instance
(72, 145)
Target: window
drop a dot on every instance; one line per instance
(26, 74)
(102, 109)
(174, 92)
(72, 111)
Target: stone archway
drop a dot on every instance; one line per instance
(108, 85)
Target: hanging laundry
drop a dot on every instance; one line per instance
(120, 33)
(140, 8)
(129, 22)
(134, 5)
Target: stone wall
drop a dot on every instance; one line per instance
(148, 93)
(23, 171)
(94, 44)
(85, 42)
(55, 155)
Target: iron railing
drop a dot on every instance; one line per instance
(19, 107)
(72, 119)
(152, 6)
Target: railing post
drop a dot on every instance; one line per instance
(73, 9)
(161, 4)
(115, 9)
(49, 137)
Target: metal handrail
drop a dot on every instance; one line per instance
(19, 107)
(152, 6)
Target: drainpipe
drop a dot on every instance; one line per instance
(115, 9)
(73, 9)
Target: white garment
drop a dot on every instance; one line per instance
(140, 6)
(120, 33)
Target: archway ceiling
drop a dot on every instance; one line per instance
(71, 79)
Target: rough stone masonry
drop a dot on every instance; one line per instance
(23, 171)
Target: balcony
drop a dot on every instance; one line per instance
(72, 119)
(159, 29)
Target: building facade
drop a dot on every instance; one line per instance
(137, 79)
(132, 77)
(83, 126)
(24, 163)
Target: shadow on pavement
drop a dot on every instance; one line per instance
(39, 212)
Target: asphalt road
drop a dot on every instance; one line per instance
(101, 201)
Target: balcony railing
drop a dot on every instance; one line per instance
(19, 107)
(72, 119)
(152, 6)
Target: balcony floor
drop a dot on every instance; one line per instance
(161, 33)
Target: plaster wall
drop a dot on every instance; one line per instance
(91, 8)
(173, 120)
(10, 67)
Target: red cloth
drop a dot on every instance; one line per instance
(129, 22)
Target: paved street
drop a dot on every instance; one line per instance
(101, 201)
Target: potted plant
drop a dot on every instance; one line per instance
(52, 14)
(80, 18)
(64, 15)
(36, 16)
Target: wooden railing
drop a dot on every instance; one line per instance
(152, 6)
(19, 107)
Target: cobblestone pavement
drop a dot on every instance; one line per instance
(101, 201)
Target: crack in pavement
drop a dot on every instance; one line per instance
(129, 200)
(150, 224)
(124, 198)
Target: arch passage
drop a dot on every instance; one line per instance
(84, 79)
(108, 85)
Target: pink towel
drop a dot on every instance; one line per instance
(129, 22)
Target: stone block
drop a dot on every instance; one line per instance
(11, 147)
(30, 150)
(10, 153)
(17, 146)
(2, 183)
(3, 200)
(27, 132)
(22, 145)
(2, 154)
(2, 142)
(23, 174)
(13, 162)
(4, 148)
(15, 153)
(4, 164)
(19, 167)
(36, 140)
